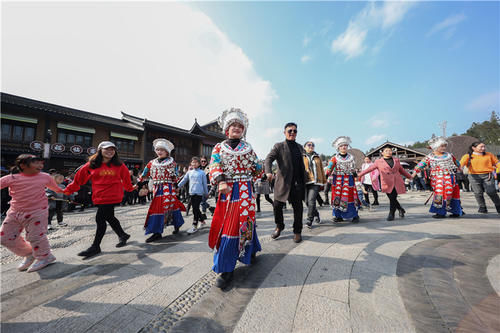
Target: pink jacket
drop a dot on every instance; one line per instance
(373, 176)
(389, 177)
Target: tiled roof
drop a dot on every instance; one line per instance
(66, 111)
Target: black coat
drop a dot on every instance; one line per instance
(283, 156)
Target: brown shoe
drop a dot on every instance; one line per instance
(297, 238)
(276, 233)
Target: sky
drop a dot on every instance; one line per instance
(374, 71)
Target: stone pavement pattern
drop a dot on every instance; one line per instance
(415, 274)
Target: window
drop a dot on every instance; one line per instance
(207, 150)
(124, 145)
(70, 138)
(16, 132)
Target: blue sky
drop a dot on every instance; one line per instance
(439, 61)
(369, 70)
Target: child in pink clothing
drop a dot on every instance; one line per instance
(28, 210)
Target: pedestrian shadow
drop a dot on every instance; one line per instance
(90, 317)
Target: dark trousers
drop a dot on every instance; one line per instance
(369, 189)
(268, 199)
(195, 202)
(295, 198)
(393, 199)
(463, 184)
(484, 183)
(328, 188)
(106, 213)
(56, 211)
(311, 196)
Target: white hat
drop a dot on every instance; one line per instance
(163, 143)
(341, 140)
(231, 116)
(437, 142)
(106, 144)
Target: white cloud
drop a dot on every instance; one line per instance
(449, 25)
(486, 102)
(316, 140)
(306, 40)
(375, 139)
(305, 59)
(164, 61)
(272, 132)
(381, 120)
(352, 42)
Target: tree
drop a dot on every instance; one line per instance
(488, 131)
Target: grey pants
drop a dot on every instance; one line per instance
(484, 183)
(311, 194)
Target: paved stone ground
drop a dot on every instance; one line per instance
(414, 274)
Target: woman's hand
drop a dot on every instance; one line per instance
(224, 188)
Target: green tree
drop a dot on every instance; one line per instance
(488, 131)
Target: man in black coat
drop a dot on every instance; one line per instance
(290, 180)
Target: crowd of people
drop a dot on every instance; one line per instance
(237, 179)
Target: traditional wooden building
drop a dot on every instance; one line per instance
(66, 136)
(407, 155)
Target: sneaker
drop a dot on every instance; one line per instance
(123, 240)
(192, 230)
(338, 219)
(154, 237)
(203, 217)
(26, 263)
(62, 224)
(50, 227)
(439, 216)
(90, 252)
(309, 224)
(317, 220)
(483, 210)
(176, 230)
(355, 219)
(41, 263)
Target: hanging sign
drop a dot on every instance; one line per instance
(91, 150)
(76, 149)
(36, 145)
(57, 147)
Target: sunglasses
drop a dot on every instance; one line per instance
(203, 161)
(310, 145)
(290, 131)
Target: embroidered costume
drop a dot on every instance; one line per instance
(232, 233)
(443, 180)
(345, 200)
(165, 208)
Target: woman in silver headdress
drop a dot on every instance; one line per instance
(165, 206)
(345, 199)
(443, 167)
(233, 167)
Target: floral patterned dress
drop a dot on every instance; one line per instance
(443, 182)
(165, 208)
(232, 233)
(345, 200)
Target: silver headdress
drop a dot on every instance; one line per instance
(163, 143)
(231, 116)
(341, 140)
(436, 142)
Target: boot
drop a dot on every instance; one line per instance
(90, 252)
(123, 240)
(390, 217)
(153, 237)
(223, 280)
